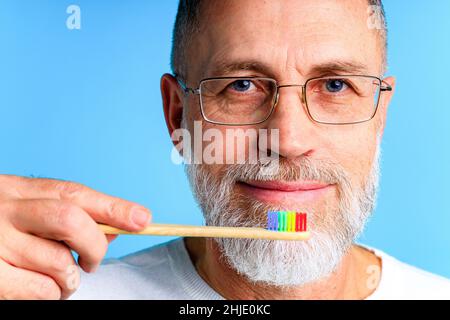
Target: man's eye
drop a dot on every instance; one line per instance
(241, 85)
(335, 85)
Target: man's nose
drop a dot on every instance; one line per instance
(297, 132)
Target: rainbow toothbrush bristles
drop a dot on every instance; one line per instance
(287, 221)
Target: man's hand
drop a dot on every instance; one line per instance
(41, 220)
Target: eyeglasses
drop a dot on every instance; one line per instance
(334, 100)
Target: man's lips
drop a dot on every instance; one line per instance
(281, 191)
(287, 186)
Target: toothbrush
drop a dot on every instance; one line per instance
(281, 225)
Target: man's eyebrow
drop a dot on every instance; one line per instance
(225, 68)
(329, 68)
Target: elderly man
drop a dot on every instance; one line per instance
(309, 72)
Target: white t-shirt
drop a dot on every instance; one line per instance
(166, 271)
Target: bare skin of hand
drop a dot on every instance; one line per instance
(41, 220)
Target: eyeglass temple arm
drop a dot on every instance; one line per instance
(385, 86)
(185, 88)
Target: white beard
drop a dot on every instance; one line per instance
(286, 263)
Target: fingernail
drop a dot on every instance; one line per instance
(140, 217)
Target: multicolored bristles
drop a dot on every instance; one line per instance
(286, 221)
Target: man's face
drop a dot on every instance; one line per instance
(291, 42)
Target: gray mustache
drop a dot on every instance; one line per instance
(287, 170)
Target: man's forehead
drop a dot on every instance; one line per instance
(284, 13)
(316, 34)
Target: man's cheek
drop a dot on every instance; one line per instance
(225, 145)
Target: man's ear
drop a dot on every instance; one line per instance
(172, 98)
(385, 100)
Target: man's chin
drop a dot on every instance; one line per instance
(283, 263)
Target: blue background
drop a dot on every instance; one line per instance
(84, 105)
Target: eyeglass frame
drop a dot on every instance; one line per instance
(197, 91)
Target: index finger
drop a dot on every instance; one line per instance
(101, 207)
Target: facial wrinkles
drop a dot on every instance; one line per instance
(288, 42)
